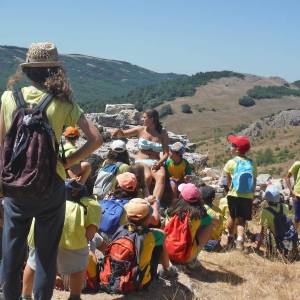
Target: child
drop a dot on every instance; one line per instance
(81, 170)
(81, 223)
(116, 162)
(275, 218)
(149, 244)
(200, 224)
(241, 179)
(208, 195)
(177, 167)
(295, 192)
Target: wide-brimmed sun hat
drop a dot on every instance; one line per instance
(138, 209)
(127, 181)
(40, 55)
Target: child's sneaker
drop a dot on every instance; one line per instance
(169, 273)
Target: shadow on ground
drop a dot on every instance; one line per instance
(160, 289)
(221, 275)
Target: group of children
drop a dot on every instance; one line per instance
(133, 234)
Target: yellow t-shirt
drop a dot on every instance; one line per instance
(229, 168)
(294, 170)
(267, 218)
(223, 205)
(76, 222)
(153, 238)
(216, 213)
(59, 114)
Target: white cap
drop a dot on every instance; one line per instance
(118, 146)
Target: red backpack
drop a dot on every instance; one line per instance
(119, 270)
(178, 238)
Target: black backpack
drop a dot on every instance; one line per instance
(30, 151)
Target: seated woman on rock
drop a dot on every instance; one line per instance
(153, 140)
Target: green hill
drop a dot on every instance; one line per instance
(94, 80)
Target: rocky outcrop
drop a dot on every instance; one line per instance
(112, 109)
(280, 120)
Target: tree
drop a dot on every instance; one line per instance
(165, 110)
(246, 101)
(186, 108)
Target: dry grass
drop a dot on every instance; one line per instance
(231, 275)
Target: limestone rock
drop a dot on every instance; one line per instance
(112, 109)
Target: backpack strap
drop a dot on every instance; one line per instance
(43, 103)
(19, 98)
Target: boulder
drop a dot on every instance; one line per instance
(112, 109)
(263, 179)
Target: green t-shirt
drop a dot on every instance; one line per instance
(294, 170)
(76, 222)
(179, 170)
(59, 114)
(229, 168)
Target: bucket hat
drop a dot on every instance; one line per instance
(137, 209)
(71, 132)
(42, 55)
(127, 181)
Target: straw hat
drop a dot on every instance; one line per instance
(42, 55)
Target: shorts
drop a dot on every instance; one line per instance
(240, 207)
(148, 162)
(296, 205)
(68, 261)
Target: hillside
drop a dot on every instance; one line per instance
(93, 79)
(215, 108)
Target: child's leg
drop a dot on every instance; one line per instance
(203, 235)
(76, 284)
(28, 278)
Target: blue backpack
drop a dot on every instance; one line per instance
(112, 210)
(243, 179)
(104, 180)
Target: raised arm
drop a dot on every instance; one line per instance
(94, 141)
(118, 133)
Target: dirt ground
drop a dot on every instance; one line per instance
(231, 275)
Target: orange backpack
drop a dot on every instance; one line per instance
(178, 238)
(119, 270)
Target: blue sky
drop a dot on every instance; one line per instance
(258, 37)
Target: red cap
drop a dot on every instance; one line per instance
(241, 142)
(189, 192)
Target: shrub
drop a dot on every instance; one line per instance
(186, 108)
(246, 101)
(166, 110)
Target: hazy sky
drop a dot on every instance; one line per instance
(255, 36)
